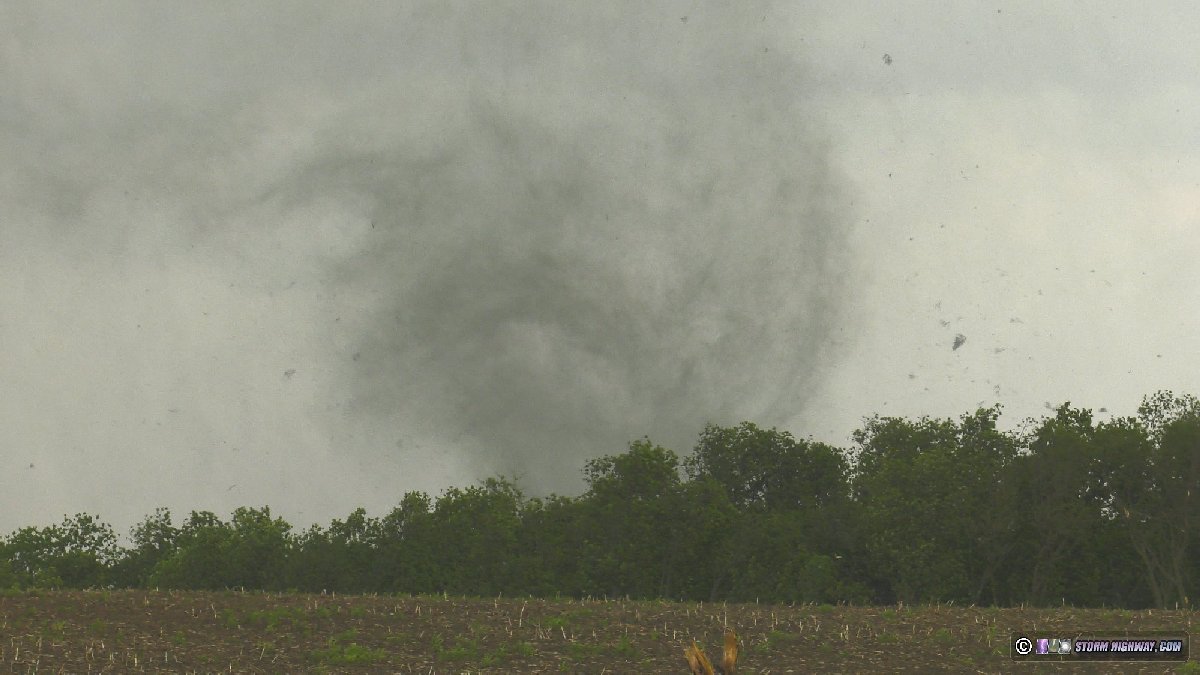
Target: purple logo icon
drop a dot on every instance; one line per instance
(1043, 645)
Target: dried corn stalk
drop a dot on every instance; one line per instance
(729, 661)
(700, 664)
(697, 661)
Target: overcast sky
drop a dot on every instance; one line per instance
(316, 256)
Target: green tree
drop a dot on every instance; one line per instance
(248, 552)
(774, 563)
(76, 553)
(769, 469)
(408, 548)
(88, 547)
(1060, 511)
(643, 473)
(313, 564)
(1149, 470)
(31, 552)
(1174, 427)
(935, 525)
(902, 479)
(201, 558)
(986, 463)
(552, 533)
(708, 542)
(477, 530)
(153, 540)
(345, 557)
(354, 544)
(257, 549)
(630, 519)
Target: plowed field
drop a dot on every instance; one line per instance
(203, 632)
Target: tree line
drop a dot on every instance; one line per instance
(1064, 510)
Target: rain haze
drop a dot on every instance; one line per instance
(315, 256)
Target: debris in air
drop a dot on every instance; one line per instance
(959, 340)
(289, 372)
(887, 59)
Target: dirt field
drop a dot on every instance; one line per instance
(186, 632)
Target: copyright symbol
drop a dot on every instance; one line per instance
(1023, 646)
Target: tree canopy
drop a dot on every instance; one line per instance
(915, 510)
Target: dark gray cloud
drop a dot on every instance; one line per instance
(514, 235)
(552, 302)
(638, 246)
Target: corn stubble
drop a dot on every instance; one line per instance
(700, 664)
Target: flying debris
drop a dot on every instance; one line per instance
(289, 372)
(944, 323)
(887, 59)
(999, 350)
(1104, 410)
(958, 341)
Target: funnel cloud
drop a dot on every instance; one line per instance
(329, 254)
(633, 246)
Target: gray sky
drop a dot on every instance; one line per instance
(315, 256)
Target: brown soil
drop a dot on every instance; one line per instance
(200, 632)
